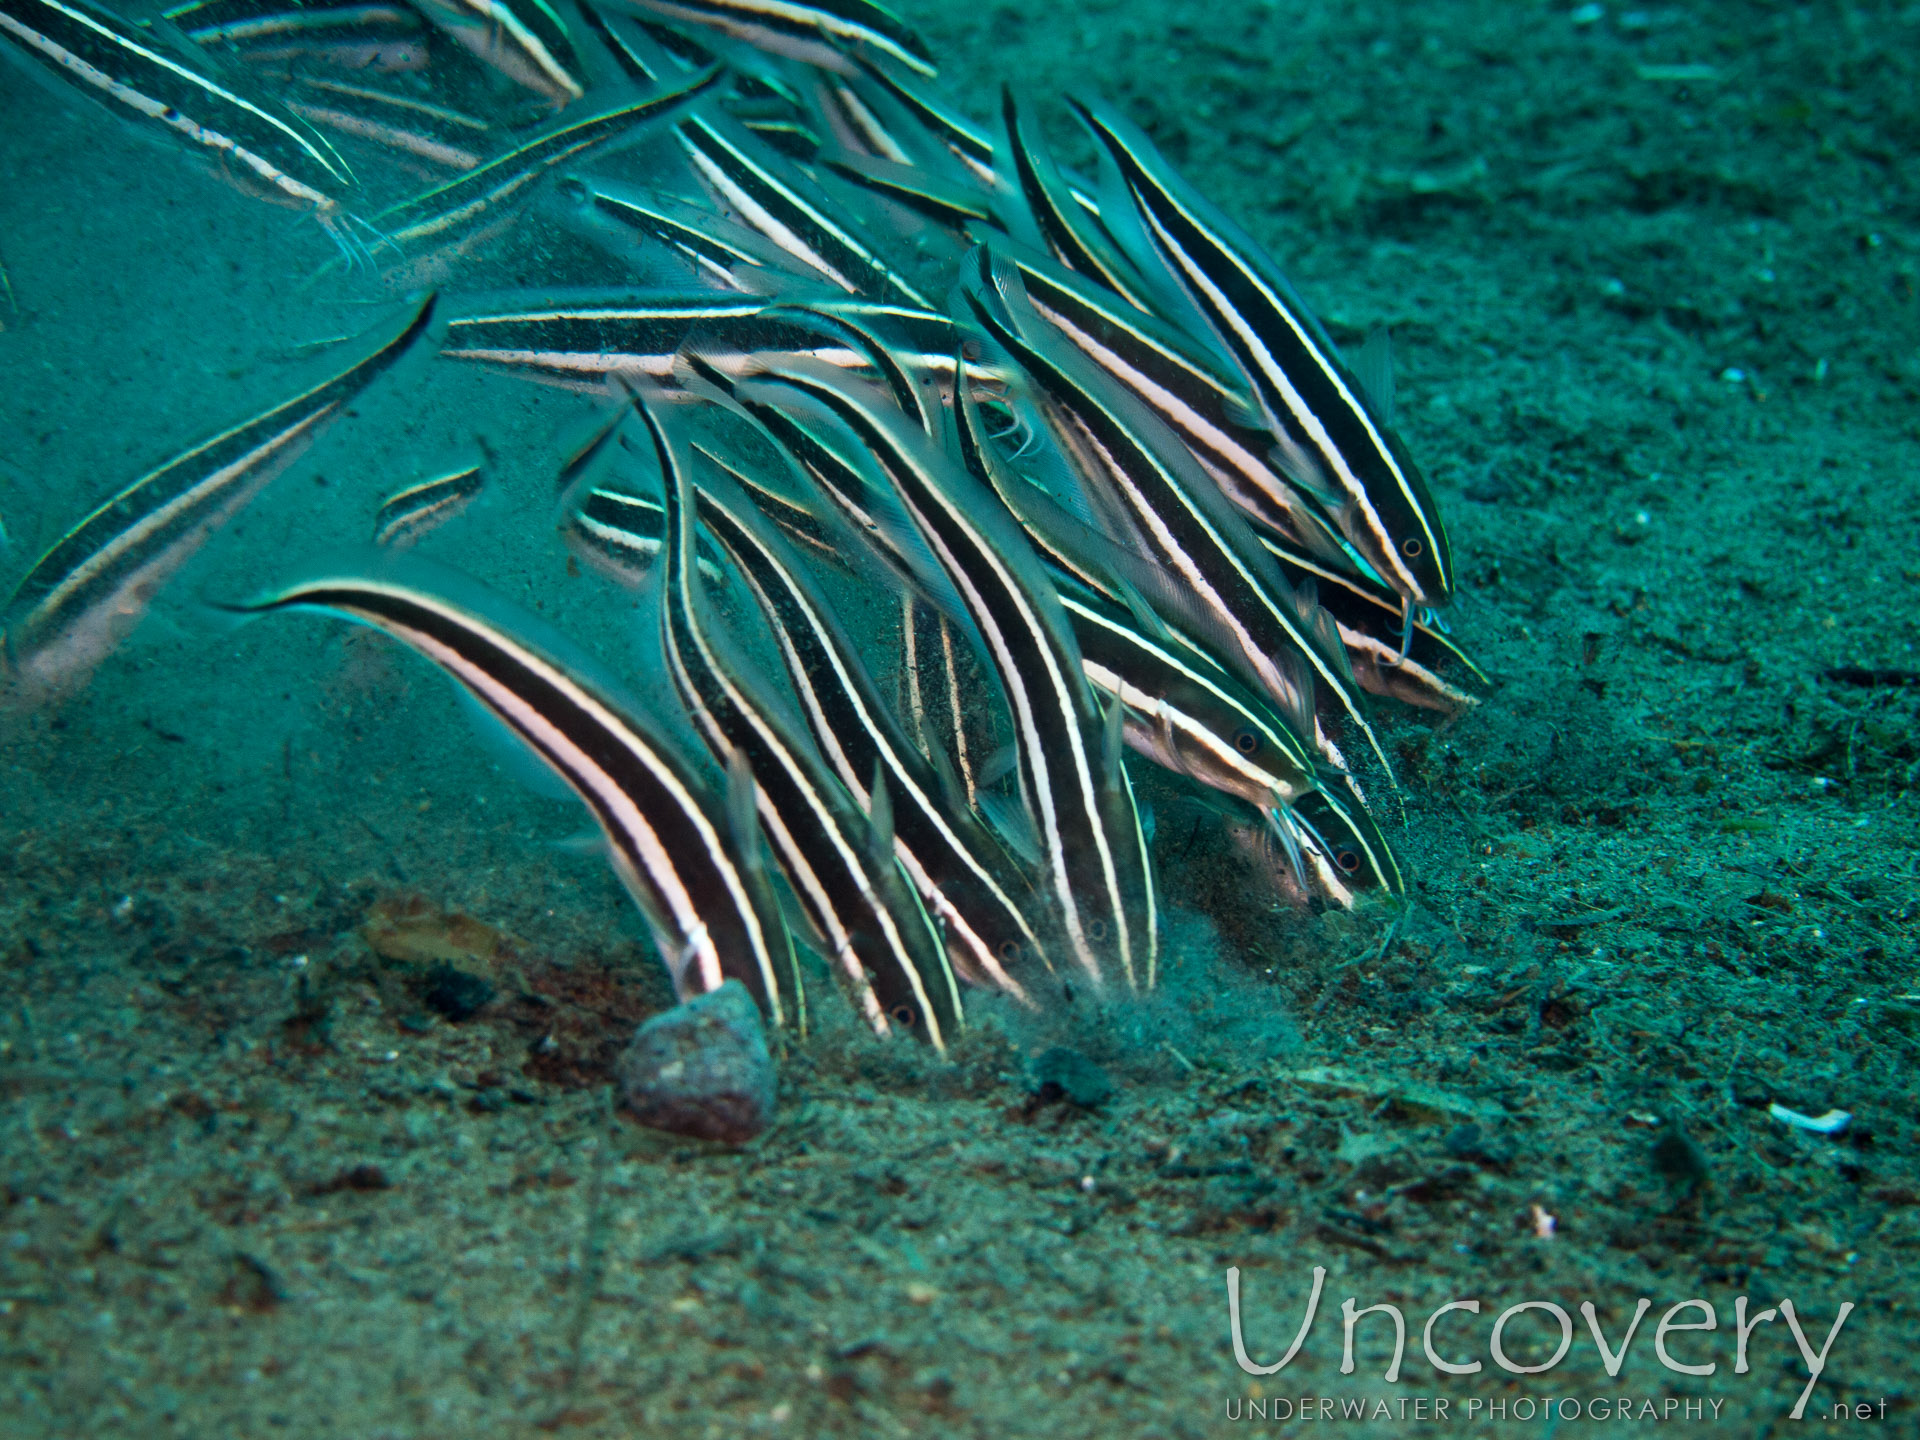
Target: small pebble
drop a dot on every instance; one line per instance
(702, 1069)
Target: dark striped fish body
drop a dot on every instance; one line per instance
(1045, 208)
(254, 141)
(773, 197)
(1348, 458)
(703, 891)
(827, 33)
(1185, 712)
(524, 40)
(969, 145)
(1197, 393)
(865, 911)
(447, 213)
(959, 870)
(1341, 847)
(1411, 667)
(86, 594)
(369, 36)
(728, 254)
(635, 336)
(1177, 512)
(621, 535)
(1095, 868)
(412, 513)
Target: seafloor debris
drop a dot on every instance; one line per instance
(413, 930)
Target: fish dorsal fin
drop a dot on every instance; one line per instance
(952, 789)
(1294, 694)
(1013, 825)
(1303, 471)
(880, 818)
(1374, 369)
(743, 809)
(1325, 629)
(1112, 739)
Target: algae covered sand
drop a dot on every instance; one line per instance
(1651, 279)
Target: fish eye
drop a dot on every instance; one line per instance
(1246, 741)
(573, 189)
(1347, 861)
(1412, 548)
(1009, 950)
(904, 1017)
(1097, 929)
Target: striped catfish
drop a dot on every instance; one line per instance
(966, 142)
(1175, 509)
(580, 341)
(448, 213)
(827, 33)
(728, 254)
(957, 866)
(1190, 716)
(1185, 712)
(1341, 847)
(88, 592)
(1094, 853)
(367, 36)
(417, 510)
(524, 40)
(1387, 660)
(1051, 212)
(775, 198)
(1338, 448)
(841, 867)
(253, 140)
(694, 870)
(1196, 392)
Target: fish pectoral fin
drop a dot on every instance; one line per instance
(1304, 471)
(998, 766)
(1112, 742)
(1241, 410)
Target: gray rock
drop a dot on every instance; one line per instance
(702, 1069)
